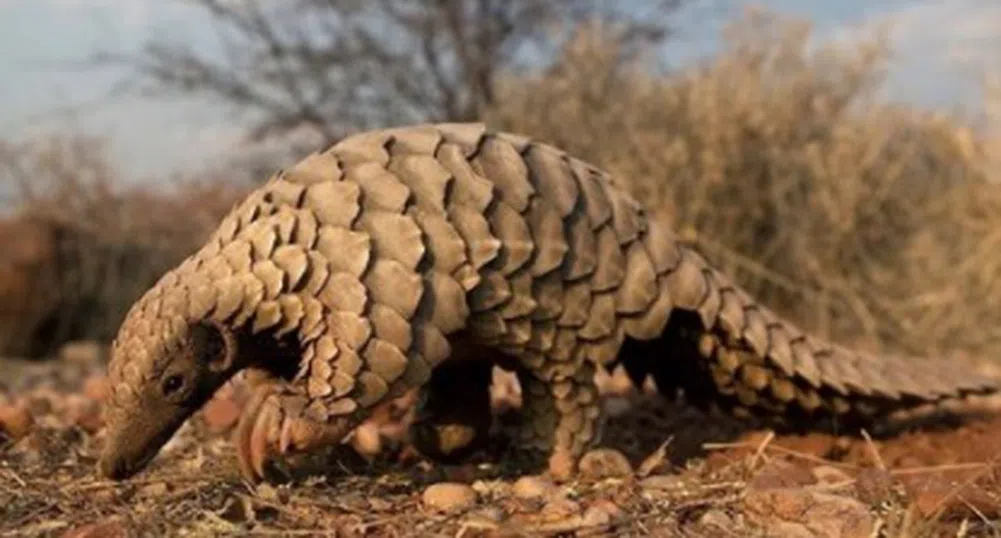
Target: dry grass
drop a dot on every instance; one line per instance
(871, 223)
(692, 475)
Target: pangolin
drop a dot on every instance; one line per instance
(356, 274)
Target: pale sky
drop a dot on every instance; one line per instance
(941, 45)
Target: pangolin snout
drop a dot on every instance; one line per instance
(114, 468)
(117, 462)
(134, 441)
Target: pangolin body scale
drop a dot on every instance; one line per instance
(379, 255)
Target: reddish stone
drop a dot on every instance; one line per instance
(221, 413)
(96, 387)
(15, 421)
(781, 474)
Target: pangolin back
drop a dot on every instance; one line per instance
(378, 251)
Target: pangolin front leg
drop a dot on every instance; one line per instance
(276, 423)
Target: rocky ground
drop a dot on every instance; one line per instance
(667, 470)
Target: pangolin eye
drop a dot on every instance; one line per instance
(172, 384)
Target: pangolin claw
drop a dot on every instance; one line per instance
(266, 430)
(257, 435)
(265, 434)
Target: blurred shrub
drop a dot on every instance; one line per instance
(867, 222)
(80, 245)
(870, 223)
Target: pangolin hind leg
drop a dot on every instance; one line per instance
(560, 418)
(568, 407)
(453, 415)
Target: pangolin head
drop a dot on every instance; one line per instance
(163, 368)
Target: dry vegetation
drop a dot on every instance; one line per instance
(873, 223)
(79, 244)
(877, 225)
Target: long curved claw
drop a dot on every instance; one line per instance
(258, 434)
(265, 434)
(244, 433)
(266, 430)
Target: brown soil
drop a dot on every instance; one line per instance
(689, 475)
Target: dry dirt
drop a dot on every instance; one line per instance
(684, 474)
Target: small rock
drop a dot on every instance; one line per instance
(107, 529)
(824, 515)
(662, 482)
(221, 413)
(788, 529)
(595, 518)
(601, 514)
(505, 392)
(532, 487)
(560, 508)
(156, 489)
(96, 388)
(16, 421)
(941, 497)
(716, 518)
(366, 440)
(83, 352)
(781, 474)
(83, 412)
(449, 496)
(830, 475)
(108, 495)
(778, 503)
(40, 403)
(873, 485)
(929, 501)
(605, 463)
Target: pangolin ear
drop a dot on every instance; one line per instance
(215, 344)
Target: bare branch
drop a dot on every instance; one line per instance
(333, 66)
